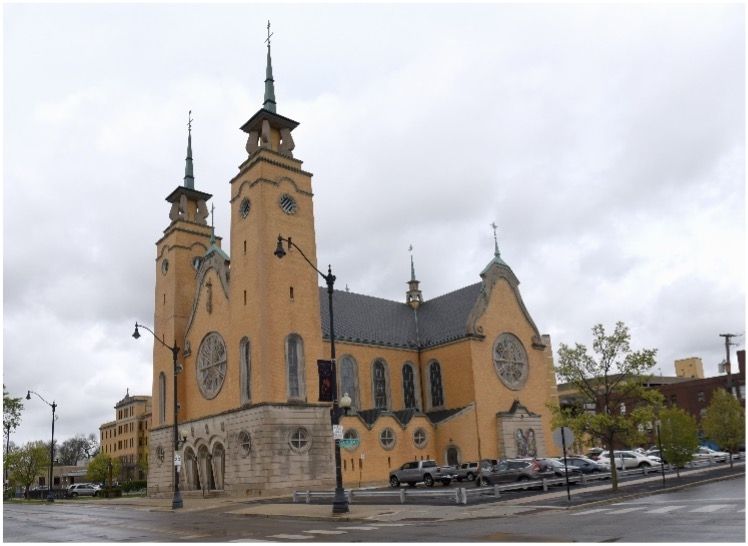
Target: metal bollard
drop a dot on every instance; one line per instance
(308, 497)
(463, 495)
(496, 492)
(350, 496)
(645, 470)
(402, 496)
(584, 479)
(545, 484)
(457, 496)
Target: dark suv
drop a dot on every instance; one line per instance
(510, 470)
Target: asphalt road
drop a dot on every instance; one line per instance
(712, 512)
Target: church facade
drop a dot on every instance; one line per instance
(456, 378)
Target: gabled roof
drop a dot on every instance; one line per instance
(377, 321)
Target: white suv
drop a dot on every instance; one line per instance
(628, 459)
(81, 489)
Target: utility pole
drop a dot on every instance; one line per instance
(728, 337)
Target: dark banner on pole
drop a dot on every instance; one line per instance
(326, 378)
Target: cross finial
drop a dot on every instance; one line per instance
(495, 239)
(269, 34)
(189, 121)
(212, 224)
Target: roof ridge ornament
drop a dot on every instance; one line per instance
(495, 240)
(269, 101)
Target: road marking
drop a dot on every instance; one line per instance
(248, 540)
(291, 537)
(391, 524)
(593, 511)
(664, 509)
(711, 508)
(626, 510)
(325, 532)
(359, 528)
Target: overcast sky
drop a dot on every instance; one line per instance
(606, 142)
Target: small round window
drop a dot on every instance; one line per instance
(245, 443)
(299, 440)
(160, 454)
(288, 204)
(244, 208)
(419, 438)
(387, 438)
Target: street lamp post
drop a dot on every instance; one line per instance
(340, 501)
(176, 501)
(53, 405)
(659, 446)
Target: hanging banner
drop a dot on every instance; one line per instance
(326, 380)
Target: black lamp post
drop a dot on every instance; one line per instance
(662, 455)
(176, 502)
(340, 501)
(53, 405)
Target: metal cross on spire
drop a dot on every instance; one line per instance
(495, 239)
(189, 121)
(267, 40)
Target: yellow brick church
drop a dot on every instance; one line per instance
(456, 378)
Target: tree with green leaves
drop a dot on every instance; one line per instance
(679, 437)
(79, 447)
(98, 468)
(724, 422)
(12, 407)
(613, 383)
(26, 463)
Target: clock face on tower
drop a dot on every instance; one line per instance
(211, 365)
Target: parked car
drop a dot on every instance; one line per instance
(81, 489)
(708, 454)
(656, 454)
(628, 459)
(467, 471)
(594, 453)
(512, 470)
(586, 465)
(557, 467)
(428, 472)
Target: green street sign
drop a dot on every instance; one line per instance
(348, 442)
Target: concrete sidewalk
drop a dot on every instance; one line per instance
(555, 500)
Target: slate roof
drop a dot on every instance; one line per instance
(370, 416)
(377, 321)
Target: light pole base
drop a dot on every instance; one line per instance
(176, 502)
(340, 503)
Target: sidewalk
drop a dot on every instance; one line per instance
(419, 512)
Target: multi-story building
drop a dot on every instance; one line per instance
(126, 438)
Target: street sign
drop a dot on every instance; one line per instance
(568, 438)
(349, 442)
(177, 459)
(337, 432)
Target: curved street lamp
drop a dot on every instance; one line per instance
(340, 501)
(53, 405)
(176, 501)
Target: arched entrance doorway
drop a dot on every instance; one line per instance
(453, 456)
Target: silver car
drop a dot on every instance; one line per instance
(82, 489)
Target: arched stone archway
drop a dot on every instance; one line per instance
(218, 460)
(191, 480)
(206, 468)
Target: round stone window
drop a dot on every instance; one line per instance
(211, 365)
(288, 204)
(387, 438)
(245, 443)
(299, 441)
(160, 454)
(419, 438)
(510, 361)
(244, 208)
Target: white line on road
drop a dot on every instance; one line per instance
(593, 511)
(626, 510)
(291, 537)
(358, 528)
(664, 509)
(325, 532)
(711, 508)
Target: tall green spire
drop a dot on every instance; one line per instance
(269, 103)
(189, 179)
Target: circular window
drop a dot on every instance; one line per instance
(510, 361)
(387, 438)
(211, 365)
(244, 208)
(164, 266)
(288, 204)
(245, 443)
(299, 440)
(160, 454)
(420, 438)
(350, 439)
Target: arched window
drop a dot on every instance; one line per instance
(295, 366)
(435, 381)
(379, 384)
(245, 371)
(349, 380)
(161, 398)
(409, 387)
